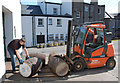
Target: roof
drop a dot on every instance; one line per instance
(94, 22)
(31, 10)
(47, 15)
(54, 3)
(35, 10)
(110, 15)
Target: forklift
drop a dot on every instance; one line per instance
(91, 47)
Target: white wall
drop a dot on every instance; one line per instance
(41, 29)
(8, 27)
(50, 8)
(14, 15)
(66, 7)
(42, 5)
(27, 30)
(52, 29)
(2, 62)
(12, 21)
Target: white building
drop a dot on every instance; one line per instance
(10, 28)
(67, 6)
(44, 23)
(50, 7)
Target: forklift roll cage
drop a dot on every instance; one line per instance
(87, 29)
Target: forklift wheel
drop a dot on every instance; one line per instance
(78, 65)
(110, 63)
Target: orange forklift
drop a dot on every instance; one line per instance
(91, 45)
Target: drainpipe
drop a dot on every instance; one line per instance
(60, 10)
(47, 28)
(83, 12)
(33, 31)
(45, 8)
(115, 28)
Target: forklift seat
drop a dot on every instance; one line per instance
(88, 52)
(90, 47)
(98, 42)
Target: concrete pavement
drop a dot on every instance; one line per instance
(97, 74)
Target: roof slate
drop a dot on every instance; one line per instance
(31, 10)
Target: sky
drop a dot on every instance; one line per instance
(111, 6)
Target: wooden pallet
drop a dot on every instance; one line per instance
(44, 72)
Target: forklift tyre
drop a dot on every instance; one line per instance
(78, 65)
(111, 63)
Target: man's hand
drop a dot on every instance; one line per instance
(21, 61)
(28, 57)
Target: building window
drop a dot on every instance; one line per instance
(57, 37)
(61, 36)
(40, 23)
(118, 25)
(50, 21)
(78, 15)
(51, 37)
(66, 36)
(59, 23)
(86, 8)
(55, 11)
(99, 11)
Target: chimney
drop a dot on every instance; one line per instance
(94, 2)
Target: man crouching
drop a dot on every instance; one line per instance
(13, 48)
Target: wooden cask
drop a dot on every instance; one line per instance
(30, 67)
(58, 65)
(38, 55)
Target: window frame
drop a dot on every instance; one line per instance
(99, 11)
(56, 36)
(50, 23)
(62, 37)
(59, 23)
(42, 22)
(66, 36)
(55, 11)
(86, 9)
(51, 37)
(78, 14)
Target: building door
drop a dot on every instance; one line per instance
(40, 39)
(7, 18)
(4, 37)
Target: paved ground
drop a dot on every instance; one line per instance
(97, 74)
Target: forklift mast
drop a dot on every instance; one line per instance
(69, 39)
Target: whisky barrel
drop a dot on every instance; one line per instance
(38, 55)
(30, 67)
(58, 65)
